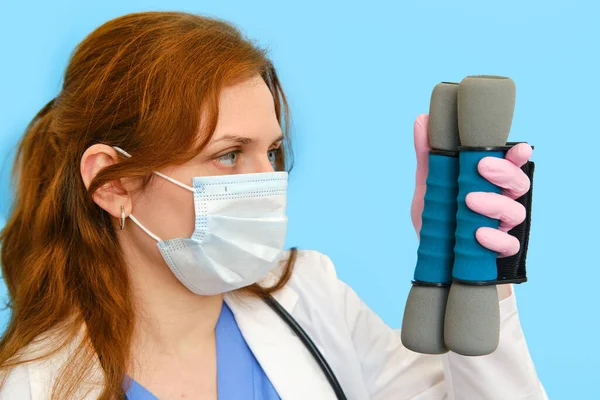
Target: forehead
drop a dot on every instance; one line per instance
(247, 109)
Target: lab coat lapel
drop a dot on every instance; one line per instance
(289, 365)
(44, 372)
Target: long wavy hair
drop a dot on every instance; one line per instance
(138, 82)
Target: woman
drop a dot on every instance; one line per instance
(147, 232)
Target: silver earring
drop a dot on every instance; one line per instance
(122, 217)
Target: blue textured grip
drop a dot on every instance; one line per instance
(472, 261)
(436, 247)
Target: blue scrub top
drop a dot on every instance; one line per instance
(239, 375)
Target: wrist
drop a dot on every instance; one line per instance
(505, 291)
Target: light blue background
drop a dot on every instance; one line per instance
(357, 74)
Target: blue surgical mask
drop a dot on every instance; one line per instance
(239, 231)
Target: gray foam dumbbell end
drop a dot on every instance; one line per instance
(472, 321)
(423, 321)
(485, 110)
(443, 118)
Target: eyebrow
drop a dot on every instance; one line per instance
(242, 139)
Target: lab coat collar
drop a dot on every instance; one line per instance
(288, 364)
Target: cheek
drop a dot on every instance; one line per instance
(167, 211)
(177, 214)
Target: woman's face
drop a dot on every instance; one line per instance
(245, 140)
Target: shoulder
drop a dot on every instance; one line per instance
(316, 282)
(34, 365)
(43, 360)
(313, 280)
(15, 383)
(314, 267)
(314, 262)
(313, 273)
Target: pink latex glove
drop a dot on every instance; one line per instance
(505, 173)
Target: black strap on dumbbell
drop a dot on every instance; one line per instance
(513, 269)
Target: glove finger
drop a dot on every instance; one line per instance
(519, 154)
(497, 206)
(500, 242)
(505, 174)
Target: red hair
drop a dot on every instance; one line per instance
(137, 82)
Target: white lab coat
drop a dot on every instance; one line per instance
(366, 355)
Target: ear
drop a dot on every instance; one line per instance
(94, 159)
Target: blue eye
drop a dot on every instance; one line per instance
(273, 156)
(229, 158)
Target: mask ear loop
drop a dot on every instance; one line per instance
(183, 185)
(142, 227)
(134, 219)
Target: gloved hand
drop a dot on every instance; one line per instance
(505, 173)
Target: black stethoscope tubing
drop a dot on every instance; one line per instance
(305, 339)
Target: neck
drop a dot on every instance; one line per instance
(169, 318)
